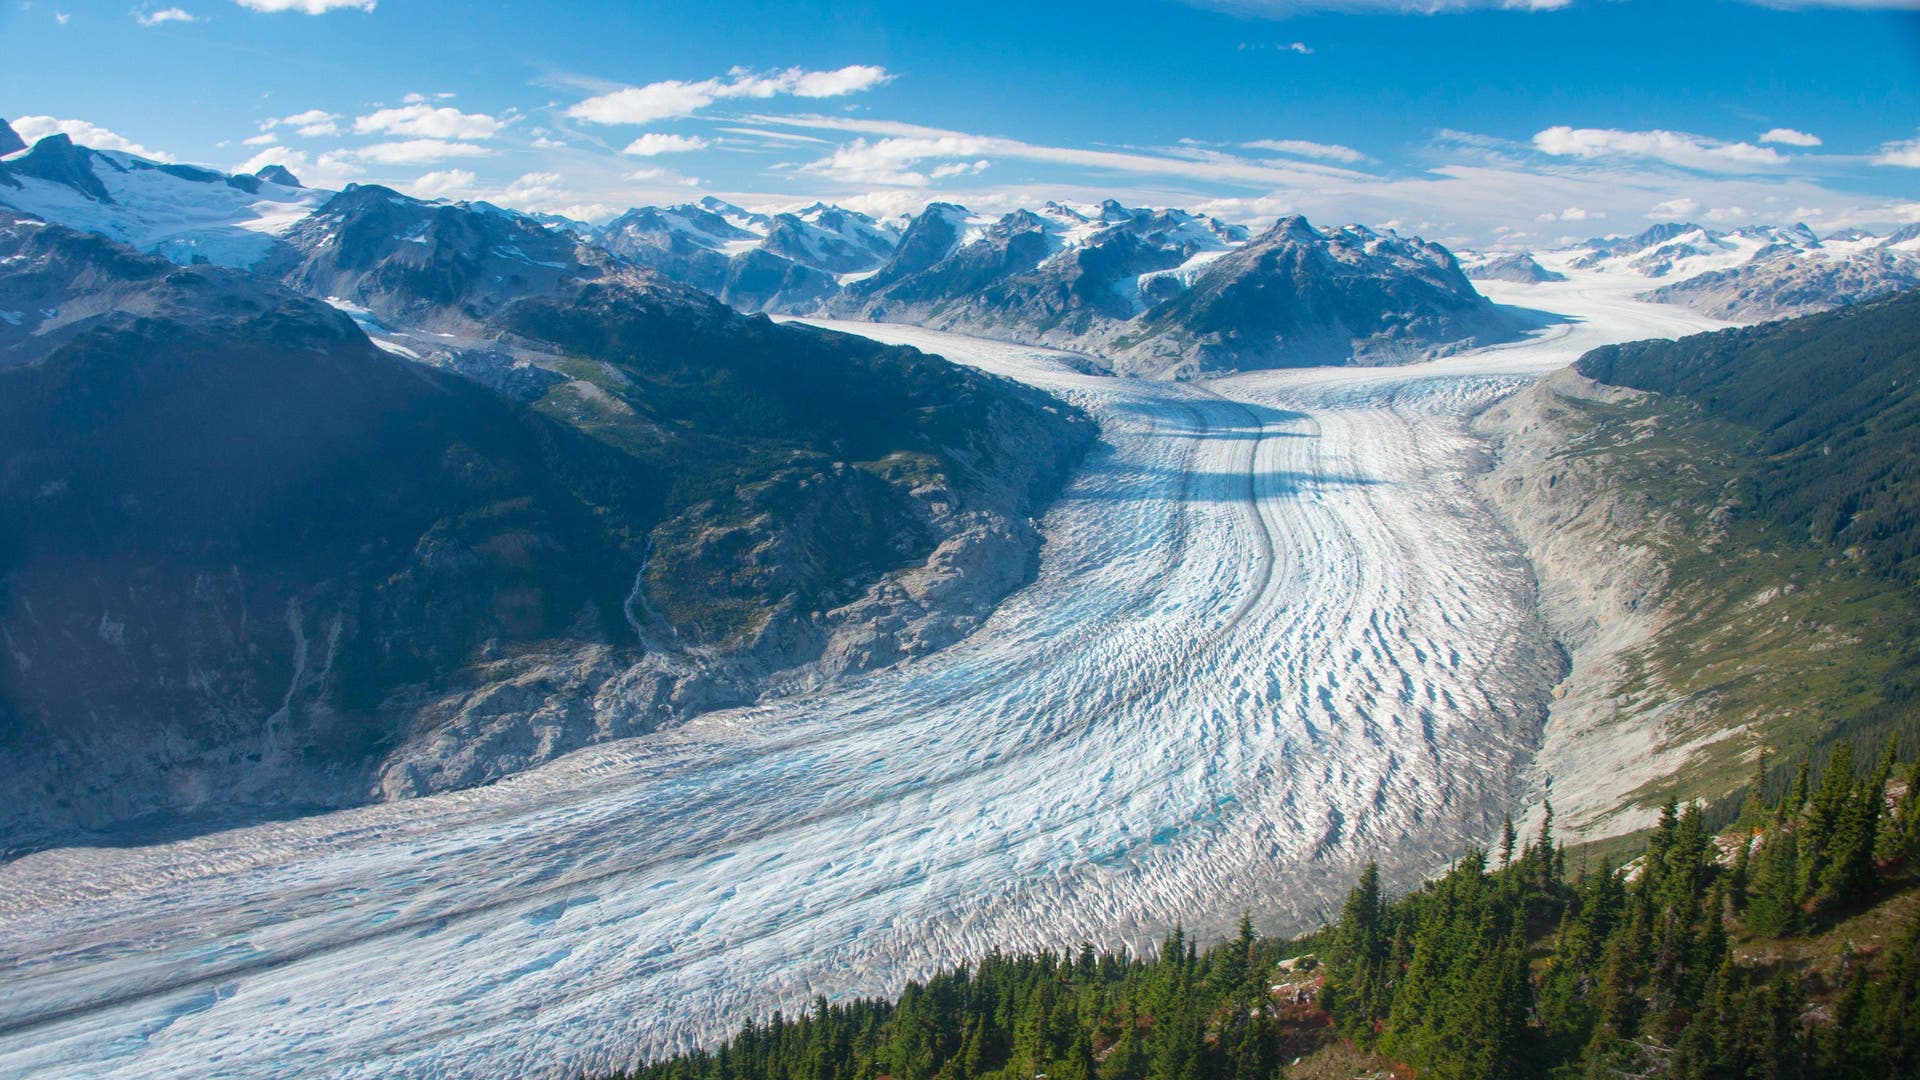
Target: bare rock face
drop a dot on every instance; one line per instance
(1600, 593)
(10, 140)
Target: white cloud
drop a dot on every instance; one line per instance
(34, 128)
(776, 136)
(164, 15)
(265, 138)
(1903, 154)
(419, 152)
(1674, 209)
(894, 159)
(663, 176)
(1671, 147)
(1790, 137)
(653, 143)
(446, 184)
(62, 17)
(890, 161)
(424, 121)
(535, 190)
(1572, 213)
(961, 168)
(305, 7)
(329, 170)
(1303, 148)
(675, 98)
(312, 124)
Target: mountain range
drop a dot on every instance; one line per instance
(1750, 274)
(424, 494)
(1164, 293)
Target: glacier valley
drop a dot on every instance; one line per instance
(1274, 631)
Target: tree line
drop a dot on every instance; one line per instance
(1507, 967)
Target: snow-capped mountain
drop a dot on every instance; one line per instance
(783, 262)
(1055, 275)
(1749, 274)
(182, 212)
(1518, 267)
(446, 267)
(1297, 295)
(1116, 280)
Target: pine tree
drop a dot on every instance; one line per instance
(1824, 818)
(1850, 872)
(1356, 961)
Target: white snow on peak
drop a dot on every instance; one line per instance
(159, 211)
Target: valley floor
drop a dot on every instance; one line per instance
(1274, 634)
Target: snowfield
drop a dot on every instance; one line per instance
(1273, 633)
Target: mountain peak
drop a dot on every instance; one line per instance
(10, 140)
(56, 159)
(1295, 227)
(279, 174)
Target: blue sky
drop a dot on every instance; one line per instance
(1487, 121)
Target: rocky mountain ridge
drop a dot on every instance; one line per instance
(1149, 291)
(553, 499)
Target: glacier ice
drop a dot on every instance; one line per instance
(1273, 634)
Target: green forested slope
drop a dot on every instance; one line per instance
(1705, 957)
(1829, 404)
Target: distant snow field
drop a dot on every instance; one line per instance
(1273, 633)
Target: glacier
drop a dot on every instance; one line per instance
(1273, 634)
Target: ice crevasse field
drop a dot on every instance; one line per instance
(1273, 632)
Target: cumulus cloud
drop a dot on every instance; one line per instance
(1572, 213)
(672, 98)
(34, 128)
(306, 7)
(1674, 209)
(960, 168)
(312, 124)
(424, 121)
(1903, 154)
(1303, 148)
(333, 169)
(444, 184)
(164, 15)
(1790, 137)
(1671, 147)
(653, 143)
